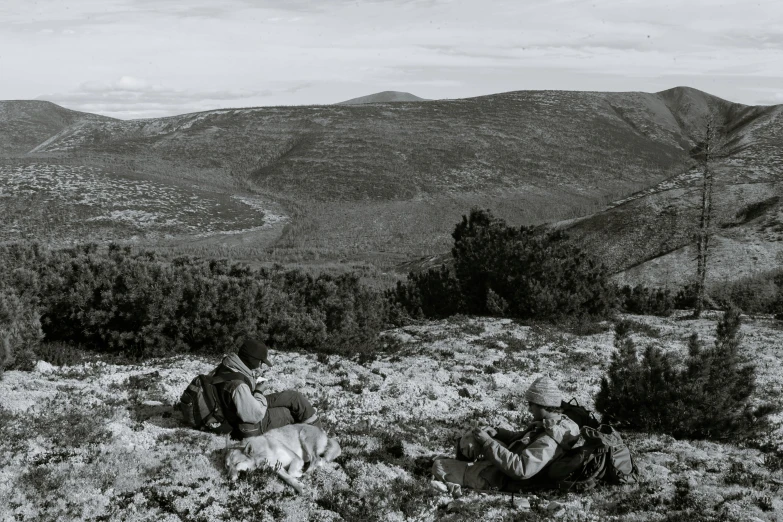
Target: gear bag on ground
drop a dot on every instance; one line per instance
(200, 405)
(599, 454)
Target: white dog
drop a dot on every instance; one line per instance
(285, 450)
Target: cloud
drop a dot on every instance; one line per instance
(343, 49)
(768, 96)
(129, 97)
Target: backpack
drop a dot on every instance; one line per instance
(599, 455)
(200, 403)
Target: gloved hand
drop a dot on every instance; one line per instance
(482, 436)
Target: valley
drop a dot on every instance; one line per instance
(385, 182)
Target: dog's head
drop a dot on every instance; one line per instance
(237, 460)
(243, 459)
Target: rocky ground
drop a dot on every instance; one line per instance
(101, 441)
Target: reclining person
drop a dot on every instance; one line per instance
(505, 459)
(245, 406)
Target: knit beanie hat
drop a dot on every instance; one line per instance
(544, 392)
(253, 352)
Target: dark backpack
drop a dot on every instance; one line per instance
(200, 403)
(599, 455)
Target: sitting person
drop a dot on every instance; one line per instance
(505, 459)
(245, 406)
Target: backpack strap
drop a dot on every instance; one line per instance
(586, 417)
(224, 374)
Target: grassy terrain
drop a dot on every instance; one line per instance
(100, 441)
(61, 204)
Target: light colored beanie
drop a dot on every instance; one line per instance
(544, 392)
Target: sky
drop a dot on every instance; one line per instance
(150, 58)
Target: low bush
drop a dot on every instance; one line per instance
(513, 272)
(138, 305)
(624, 327)
(434, 293)
(641, 300)
(20, 329)
(538, 273)
(757, 294)
(706, 396)
(686, 297)
(59, 353)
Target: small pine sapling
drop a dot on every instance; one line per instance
(707, 397)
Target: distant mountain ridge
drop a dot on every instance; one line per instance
(394, 178)
(383, 97)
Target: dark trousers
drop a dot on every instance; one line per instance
(284, 408)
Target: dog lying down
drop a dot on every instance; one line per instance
(286, 450)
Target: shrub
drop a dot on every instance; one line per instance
(537, 273)
(138, 305)
(641, 300)
(756, 294)
(59, 353)
(20, 329)
(434, 293)
(705, 397)
(686, 297)
(624, 327)
(334, 314)
(777, 305)
(515, 272)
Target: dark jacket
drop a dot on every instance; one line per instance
(240, 401)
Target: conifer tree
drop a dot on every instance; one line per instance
(706, 397)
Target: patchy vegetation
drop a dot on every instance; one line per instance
(126, 455)
(63, 203)
(412, 168)
(20, 328)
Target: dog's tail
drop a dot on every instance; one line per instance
(333, 450)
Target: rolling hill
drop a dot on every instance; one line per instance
(383, 97)
(391, 179)
(26, 124)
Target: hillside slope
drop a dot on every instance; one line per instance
(26, 124)
(393, 179)
(500, 143)
(396, 177)
(663, 220)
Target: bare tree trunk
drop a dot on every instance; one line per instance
(704, 222)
